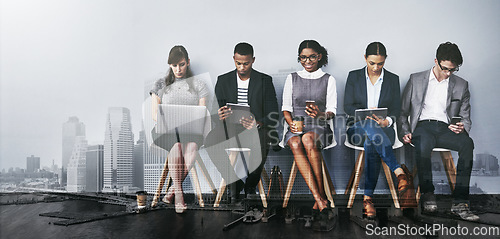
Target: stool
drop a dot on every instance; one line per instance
(233, 154)
(192, 170)
(327, 183)
(449, 167)
(327, 180)
(353, 184)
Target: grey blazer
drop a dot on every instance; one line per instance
(457, 102)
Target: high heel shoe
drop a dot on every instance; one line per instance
(180, 207)
(169, 197)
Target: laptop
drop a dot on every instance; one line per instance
(187, 119)
(361, 114)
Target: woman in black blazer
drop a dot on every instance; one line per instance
(374, 87)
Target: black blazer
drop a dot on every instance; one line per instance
(355, 96)
(261, 96)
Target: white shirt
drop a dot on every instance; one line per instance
(243, 90)
(373, 92)
(435, 100)
(331, 90)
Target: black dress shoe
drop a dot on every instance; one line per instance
(327, 221)
(428, 202)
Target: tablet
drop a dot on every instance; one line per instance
(361, 114)
(238, 111)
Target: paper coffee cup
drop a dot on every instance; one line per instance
(299, 123)
(142, 198)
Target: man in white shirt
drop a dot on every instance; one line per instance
(430, 99)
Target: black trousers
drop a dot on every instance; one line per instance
(236, 136)
(435, 134)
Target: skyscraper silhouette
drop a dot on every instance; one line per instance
(118, 150)
(71, 129)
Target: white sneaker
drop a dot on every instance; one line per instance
(462, 210)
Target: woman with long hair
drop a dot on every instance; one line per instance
(179, 88)
(311, 84)
(374, 87)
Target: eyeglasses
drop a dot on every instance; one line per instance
(313, 57)
(446, 69)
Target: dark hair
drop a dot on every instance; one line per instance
(177, 54)
(449, 52)
(376, 48)
(243, 49)
(317, 48)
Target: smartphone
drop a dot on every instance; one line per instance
(310, 103)
(455, 120)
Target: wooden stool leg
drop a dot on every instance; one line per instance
(449, 167)
(197, 186)
(392, 188)
(417, 196)
(164, 174)
(327, 183)
(358, 167)
(222, 187)
(330, 183)
(350, 182)
(205, 173)
(265, 177)
(262, 194)
(291, 180)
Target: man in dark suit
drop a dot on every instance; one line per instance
(244, 86)
(430, 99)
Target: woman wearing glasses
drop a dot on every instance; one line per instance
(179, 88)
(374, 87)
(319, 89)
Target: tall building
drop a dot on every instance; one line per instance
(154, 160)
(71, 129)
(77, 166)
(486, 164)
(118, 150)
(32, 164)
(95, 168)
(139, 161)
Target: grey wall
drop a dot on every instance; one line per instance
(65, 58)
